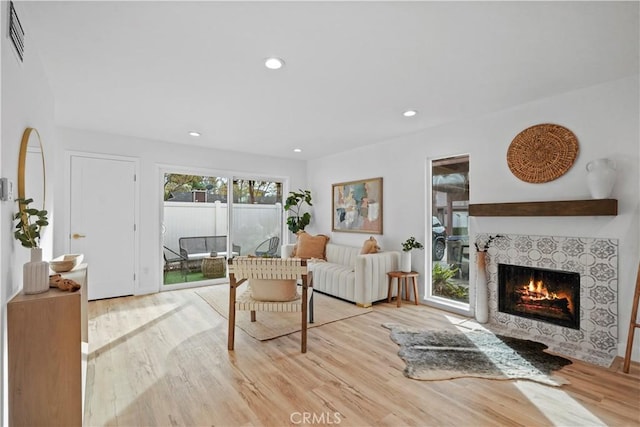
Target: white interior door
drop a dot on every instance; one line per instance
(102, 214)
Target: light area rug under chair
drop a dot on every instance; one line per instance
(273, 325)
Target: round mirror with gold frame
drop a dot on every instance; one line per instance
(31, 169)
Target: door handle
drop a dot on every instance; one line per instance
(78, 236)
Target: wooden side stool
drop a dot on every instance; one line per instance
(400, 276)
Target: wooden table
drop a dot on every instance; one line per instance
(400, 276)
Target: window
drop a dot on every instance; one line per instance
(449, 284)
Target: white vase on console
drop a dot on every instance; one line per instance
(35, 274)
(30, 222)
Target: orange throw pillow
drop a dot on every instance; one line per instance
(309, 246)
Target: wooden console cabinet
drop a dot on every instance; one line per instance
(44, 343)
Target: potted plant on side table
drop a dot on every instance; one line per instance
(35, 278)
(405, 259)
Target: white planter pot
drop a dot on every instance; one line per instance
(601, 175)
(35, 274)
(405, 262)
(482, 292)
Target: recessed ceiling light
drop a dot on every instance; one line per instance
(194, 133)
(410, 113)
(274, 63)
(297, 150)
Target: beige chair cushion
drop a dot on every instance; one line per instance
(273, 290)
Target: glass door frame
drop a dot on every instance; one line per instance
(465, 309)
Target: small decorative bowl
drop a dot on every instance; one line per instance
(62, 266)
(65, 263)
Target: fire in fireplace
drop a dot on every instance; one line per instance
(549, 295)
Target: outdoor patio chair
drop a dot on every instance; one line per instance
(243, 268)
(174, 262)
(269, 248)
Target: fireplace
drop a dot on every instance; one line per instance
(551, 296)
(594, 260)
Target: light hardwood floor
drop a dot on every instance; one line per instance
(162, 360)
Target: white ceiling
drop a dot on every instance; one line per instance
(158, 69)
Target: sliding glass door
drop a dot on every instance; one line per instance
(205, 221)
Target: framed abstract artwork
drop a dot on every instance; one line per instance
(357, 206)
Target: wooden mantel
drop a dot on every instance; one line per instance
(591, 207)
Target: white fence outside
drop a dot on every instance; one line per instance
(252, 224)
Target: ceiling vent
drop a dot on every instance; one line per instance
(16, 32)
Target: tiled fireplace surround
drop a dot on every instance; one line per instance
(595, 259)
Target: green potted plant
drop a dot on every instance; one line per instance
(30, 223)
(293, 205)
(407, 246)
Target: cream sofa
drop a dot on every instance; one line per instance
(361, 279)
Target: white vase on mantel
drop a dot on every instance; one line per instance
(601, 175)
(35, 274)
(405, 261)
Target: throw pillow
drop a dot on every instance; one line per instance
(370, 246)
(309, 246)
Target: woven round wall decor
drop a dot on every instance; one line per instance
(542, 153)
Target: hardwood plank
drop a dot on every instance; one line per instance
(162, 360)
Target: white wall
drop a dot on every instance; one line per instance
(27, 101)
(605, 119)
(153, 155)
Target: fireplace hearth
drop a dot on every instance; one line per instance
(551, 296)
